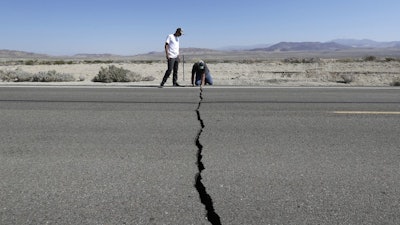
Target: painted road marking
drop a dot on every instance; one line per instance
(368, 112)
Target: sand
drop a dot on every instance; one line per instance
(270, 73)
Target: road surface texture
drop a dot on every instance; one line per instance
(131, 155)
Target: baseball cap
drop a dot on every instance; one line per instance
(201, 64)
(179, 30)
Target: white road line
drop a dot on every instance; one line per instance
(368, 112)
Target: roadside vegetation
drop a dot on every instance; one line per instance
(119, 74)
(396, 82)
(244, 60)
(346, 70)
(22, 76)
(34, 62)
(369, 58)
(106, 75)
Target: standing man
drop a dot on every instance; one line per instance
(172, 54)
(201, 74)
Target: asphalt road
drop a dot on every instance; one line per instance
(135, 155)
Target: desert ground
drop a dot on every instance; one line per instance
(274, 73)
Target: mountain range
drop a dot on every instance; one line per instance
(5, 53)
(303, 46)
(366, 43)
(337, 44)
(334, 45)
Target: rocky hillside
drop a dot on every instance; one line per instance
(4, 53)
(303, 46)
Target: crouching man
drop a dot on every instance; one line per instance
(201, 74)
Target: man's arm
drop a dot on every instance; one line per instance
(166, 50)
(203, 79)
(193, 74)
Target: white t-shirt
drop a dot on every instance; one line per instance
(173, 46)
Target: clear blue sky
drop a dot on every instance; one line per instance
(128, 27)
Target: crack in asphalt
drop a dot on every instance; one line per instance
(205, 198)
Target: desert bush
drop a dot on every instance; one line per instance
(56, 62)
(369, 58)
(59, 62)
(98, 61)
(45, 63)
(292, 60)
(112, 74)
(116, 74)
(14, 75)
(302, 60)
(22, 76)
(119, 74)
(346, 60)
(148, 78)
(30, 62)
(133, 77)
(146, 61)
(396, 82)
(82, 78)
(391, 59)
(52, 76)
(347, 78)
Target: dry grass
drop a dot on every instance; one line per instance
(240, 69)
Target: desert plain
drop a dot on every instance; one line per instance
(250, 69)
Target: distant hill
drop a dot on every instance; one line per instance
(243, 47)
(197, 51)
(303, 46)
(12, 54)
(366, 43)
(97, 56)
(4, 53)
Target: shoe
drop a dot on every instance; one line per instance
(161, 85)
(177, 85)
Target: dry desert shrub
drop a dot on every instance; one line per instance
(82, 78)
(52, 76)
(22, 76)
(148, 78)
(302, 60)
(369, 58)
(119, 74)
(347, 78)
(396, 82)
(14, 75)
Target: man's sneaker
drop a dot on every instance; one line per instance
(177, 85)
(161, 85)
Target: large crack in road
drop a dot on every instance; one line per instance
(205, 198)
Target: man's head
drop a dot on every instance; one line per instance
(179, 32)
(201, 64)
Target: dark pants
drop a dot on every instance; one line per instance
(172, 66)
